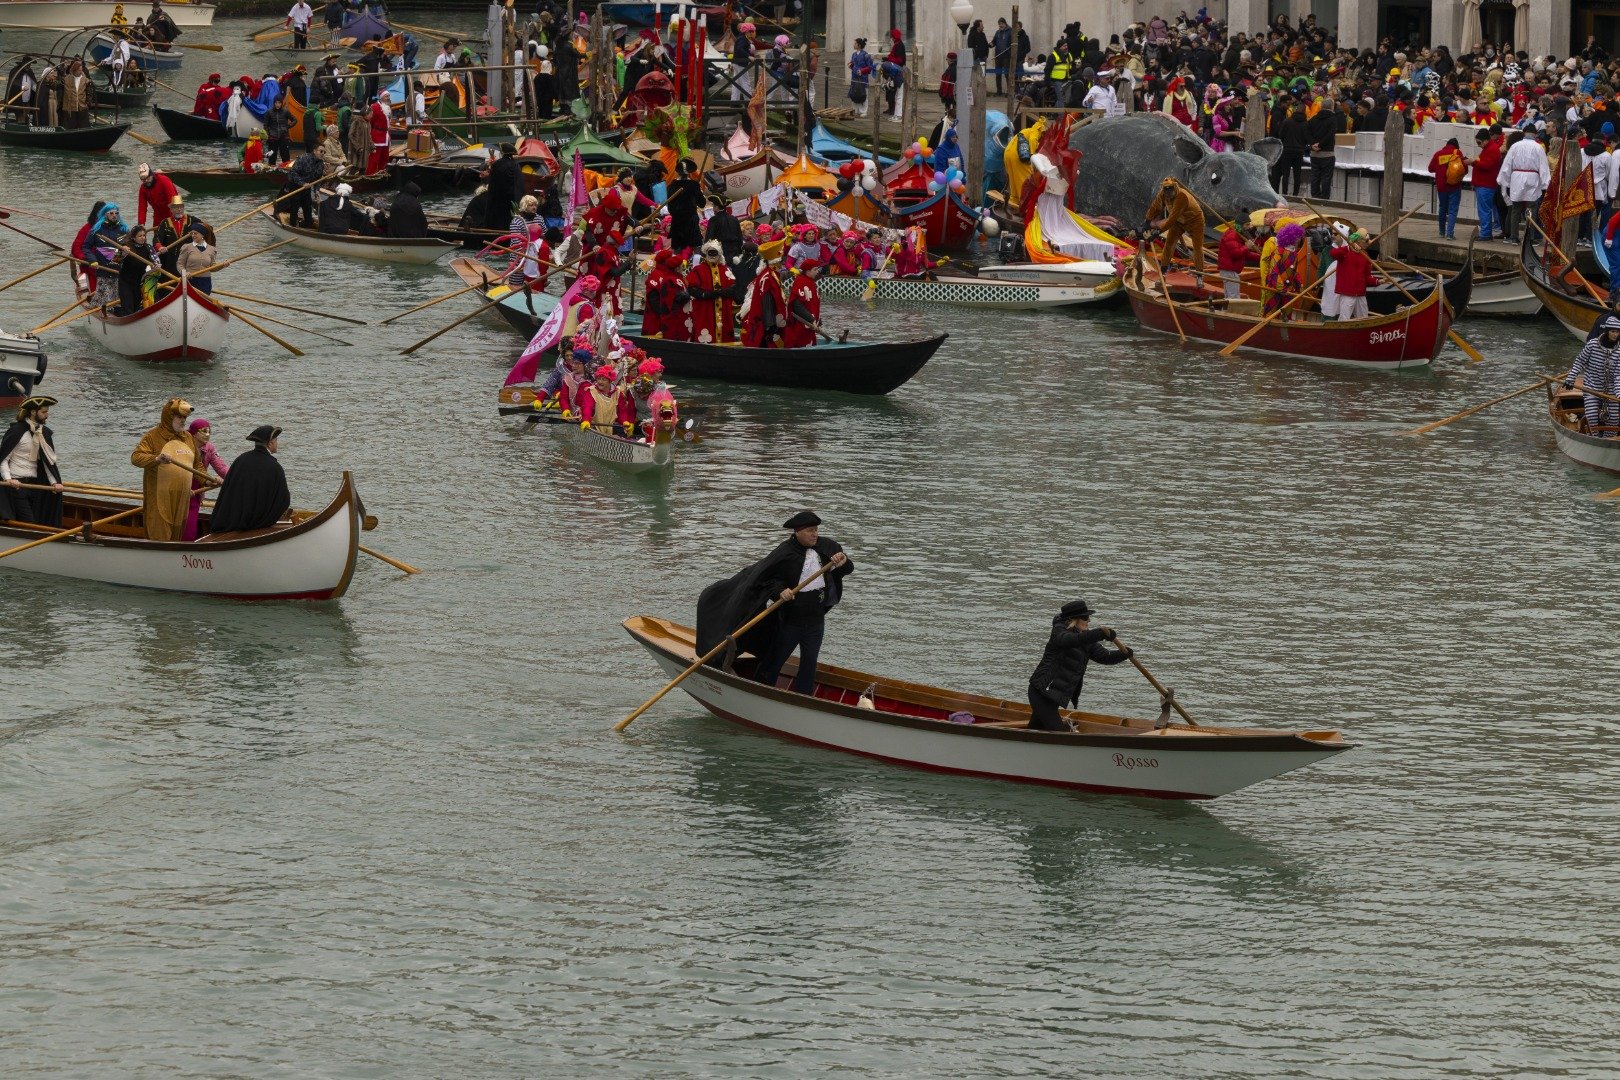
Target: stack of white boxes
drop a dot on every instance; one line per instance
(1365, 150)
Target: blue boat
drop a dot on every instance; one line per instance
(102, 45)
(829, 151)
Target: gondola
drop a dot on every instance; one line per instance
(620, 453)
(309, 559)
(228, 181)
(84, 14)
(1567, 296)
(183, 324)
(942, 730)
(1565, 411)
(853, 367)
(184, 126)
(418, 252)
(448, 227)
(1386, 298)
(95, 139)
(127, 99)
(1410, 338)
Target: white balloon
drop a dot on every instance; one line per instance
(868, 183)
(989, 226)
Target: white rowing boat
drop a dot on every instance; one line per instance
(419, 252)
(81, 14)
(312, 559)
(1565, 409)
(627, 455)
(946, 731)
(184, 324)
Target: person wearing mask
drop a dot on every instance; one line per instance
(165, 456)
(794, 571)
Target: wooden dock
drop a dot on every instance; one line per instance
(1421, 242)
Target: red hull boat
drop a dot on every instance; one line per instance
(949, 223)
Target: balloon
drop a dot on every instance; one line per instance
(869, 165)
(958, 185)
(932, 187)
(989, 225)
(868, 183)
(908, 153)
(939, 178)
(845, 184)
(953, 174)
(922, 142)
(917, 146)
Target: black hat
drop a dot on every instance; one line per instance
(263, 434)
(802, 520)
(36, 402)
(1076, 609)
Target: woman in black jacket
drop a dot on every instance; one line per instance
(1062, 669)
(1296, 139)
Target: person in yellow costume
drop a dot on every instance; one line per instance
(119, 19)
(166, 454)
(1016, 159)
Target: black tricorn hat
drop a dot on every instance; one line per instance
(263, 434)
(802, 520)
(1076, 609)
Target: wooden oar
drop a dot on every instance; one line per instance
(189, 97)
(51, 322)
(289, 307)
(138, 137)
(31, 236)
(430, 303)
(1164, 694)
(1263, 323)
(240, 312)
(26, 213)
(289, 346)
(201, 46)
(278, 198)
(1602, 495)
(69, 532)
(526, 289)
(1538, 384)
(712, 653)
(395, 563)
(36, 273)
(207, 270)
(1451, 334)
(1164, 287)
(1568, 263)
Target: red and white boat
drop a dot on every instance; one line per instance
(310, 559)
(946, 731)
(185, 324)
(1409, 338)
(949, 223)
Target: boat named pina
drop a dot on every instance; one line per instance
(947, 731)
(1565, 411)
(310, 559)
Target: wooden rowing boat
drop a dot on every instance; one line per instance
(418, 252)
(1565, 294)
(148, 56)
(84, 14)
(1410, 338)
(624, 455)
(129, 97)
(225, 181)
(1503, 294)
(182, 126)
(962, 290)
(312, 559)
(969, 734)
(851, 367)
(1565, 412)
(184, 324)
(94, 139)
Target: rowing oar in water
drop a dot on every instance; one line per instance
(288, 307)
(1451, 334)
(69, 532)
(206, 47)
(870, 292)
(1165, 695)
(31, 236)
(1164, 287)
(525, 289)
(243, 313)
(468, 288)
(712, 653)
(1538, 384)
(36, 273)
(1263, 323)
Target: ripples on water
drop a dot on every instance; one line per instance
(394, 837)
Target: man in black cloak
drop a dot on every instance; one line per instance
(505, 182)
(406, 221)
(254, 495)
(800, 623)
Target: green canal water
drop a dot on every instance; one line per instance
(393, 836)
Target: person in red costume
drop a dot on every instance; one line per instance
(210, 95)
(377, 162)
(82, 264)
(767, 311)
(712, 311)
(804, 308)
(606, 265)
(850, 258)
(1354, 278)
(665, 312)
(155, 193)
(606, 407)
(611, 214)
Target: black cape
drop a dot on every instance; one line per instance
(254, 495)
(505, 180)
(406, 221)
(726, 605)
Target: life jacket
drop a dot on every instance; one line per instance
(1060, 68)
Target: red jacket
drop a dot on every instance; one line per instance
(1235, 252)
(155, 198)
(1438, 165)
(1355, 272)
(1488, 165)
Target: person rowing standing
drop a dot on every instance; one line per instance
(1597, 371)
(1058, 677)
(28, 456)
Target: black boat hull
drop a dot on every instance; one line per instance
(189, 127)
(96, 139)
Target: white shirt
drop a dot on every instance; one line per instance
(1101, 97)
(442, 61)
(301, 14)
(20, 463)
(812, 566)
(1524, 174)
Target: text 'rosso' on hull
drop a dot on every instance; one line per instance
(911, 725)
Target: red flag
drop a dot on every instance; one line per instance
(1549, 212)
(1579, 198)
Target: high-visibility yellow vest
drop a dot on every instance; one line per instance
(1060, 70)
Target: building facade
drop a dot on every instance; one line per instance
(1538, 27)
